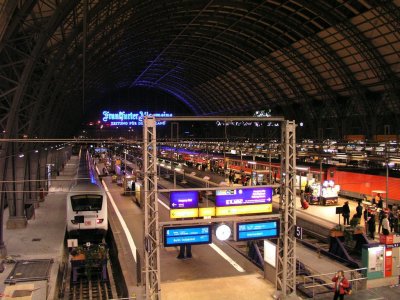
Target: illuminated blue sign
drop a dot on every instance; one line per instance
(243, 197)
(123, 118)
(193, 235)
(257, 230)
(184, 199)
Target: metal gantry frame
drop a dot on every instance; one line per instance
(151, 227)
(286, 267)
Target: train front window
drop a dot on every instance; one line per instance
(86, 202)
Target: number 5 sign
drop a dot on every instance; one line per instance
(298, 232)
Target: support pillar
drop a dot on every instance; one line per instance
(17, 218)
(151, 227)
(42, 169)
(286, 267)
(33, 184)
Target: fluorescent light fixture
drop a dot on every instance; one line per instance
(302, 168)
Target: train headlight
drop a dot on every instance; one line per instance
(99, 221)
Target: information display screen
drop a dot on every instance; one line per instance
(184, 199)
(257, 230)
(243, 197)
(182, 235)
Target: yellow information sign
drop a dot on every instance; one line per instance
(207, 212)
(243, 209)
(184, 213)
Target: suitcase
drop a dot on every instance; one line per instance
(304, 204)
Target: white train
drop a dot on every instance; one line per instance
(86, 203)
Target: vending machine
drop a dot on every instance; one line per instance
(373, 258)
(392, 253)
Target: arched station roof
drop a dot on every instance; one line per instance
(329, 63)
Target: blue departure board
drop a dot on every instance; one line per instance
(257, 230)
(182, 235)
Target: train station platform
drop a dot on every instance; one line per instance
(317, 263)
(35, 253)
(209, 274)
(202, 277)
(325, 215)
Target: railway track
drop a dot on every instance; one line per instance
(93, 289)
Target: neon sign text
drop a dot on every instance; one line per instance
(123, 118)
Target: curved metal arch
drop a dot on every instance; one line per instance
(389, 8)
(225, 86)
(74, 35)
(227, 93)
(245, 72)
(218, 92)
(164, 50)
(13, 27)
(224, 90)
(241, 93)
(280, 19)
(350, 32)
(234, 92)
(317, 80)
(29, 66)
(216, 53)
(297, 89)
(217, 59)
(244, 81)
(177, 93)
(50, 73)
(276, 90)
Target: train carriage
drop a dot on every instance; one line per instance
(86, 203)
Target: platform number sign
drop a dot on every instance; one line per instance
(298, 232)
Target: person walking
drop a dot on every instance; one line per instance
(341, 284)
(392, 221)
(346, 213)
(385, 225)
(359, 209)
(182, 249)
(371, 225)
(366, 216)
(379, 202)
(380, 216)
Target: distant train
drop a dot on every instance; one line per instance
(86, 203)
(353, 182)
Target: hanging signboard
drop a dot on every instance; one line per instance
(183, 235)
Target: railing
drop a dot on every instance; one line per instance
(356, 278)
